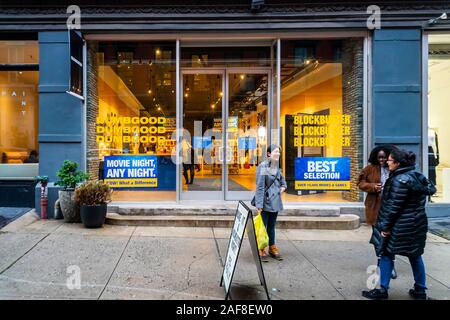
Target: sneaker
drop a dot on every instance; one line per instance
(394, 273)
(273, 252)
(376, 294)
(418, 293)
(263, 256)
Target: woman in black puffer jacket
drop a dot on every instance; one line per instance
(402, 223)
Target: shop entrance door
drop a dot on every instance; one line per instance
(225, 116)
(248, 107)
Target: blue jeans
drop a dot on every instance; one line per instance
(270, 220)
(387, 264)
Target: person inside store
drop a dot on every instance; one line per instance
(32, 158)
(188, 160)
(4, 157)
(402, 225)
(101, 170)
(214, 158)
(371, 180)
(433, 156)
(270, 184)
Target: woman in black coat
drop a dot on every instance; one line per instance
(402, 223)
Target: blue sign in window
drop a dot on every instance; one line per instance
(320, 173)
(202, 143)
(247, 143)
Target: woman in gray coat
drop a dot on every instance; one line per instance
(270, 184)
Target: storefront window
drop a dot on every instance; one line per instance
(133, 119)
(19, 147)
(207, 57)
(19, 52)
(321, 119)
(438, 128)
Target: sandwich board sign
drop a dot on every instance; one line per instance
(242, 219)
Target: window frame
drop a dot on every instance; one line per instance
(19, 67)
(425, 107)
(74, 37)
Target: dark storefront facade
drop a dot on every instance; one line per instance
(226, 79)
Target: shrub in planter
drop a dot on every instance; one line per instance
(93, 197)
(69, 177)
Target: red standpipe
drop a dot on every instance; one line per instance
(44, 200)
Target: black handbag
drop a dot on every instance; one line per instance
(379, 242)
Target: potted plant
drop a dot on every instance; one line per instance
(92, 197)
(69, 177)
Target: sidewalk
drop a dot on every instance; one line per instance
(440, 227)
(8, 214)
(118, 262)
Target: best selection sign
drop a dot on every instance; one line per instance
(131, 171)
(316, 173)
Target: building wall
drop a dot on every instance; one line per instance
(397, 89)
(396, 99)
(353, 98)
(60, 114)
(92, 107)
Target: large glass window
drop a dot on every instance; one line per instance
(438, 109)
(321, 119)
(19, 52)
(19, 100)
(131, 119)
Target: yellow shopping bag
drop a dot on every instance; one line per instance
(261, 234)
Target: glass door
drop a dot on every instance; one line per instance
(203, 134)
(248, 113)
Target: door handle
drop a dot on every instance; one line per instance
(221, 154)
(229, 154)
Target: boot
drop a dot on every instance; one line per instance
(376, 294)
(418, 293)
(273, 252)
(263, 256)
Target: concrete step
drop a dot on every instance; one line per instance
(342, 222)
(224, 209)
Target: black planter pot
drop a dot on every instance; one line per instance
(93, 216)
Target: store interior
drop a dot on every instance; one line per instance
(438, 106)
(19, 109)
(138, 80)
(246, 131)
(311, 84)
